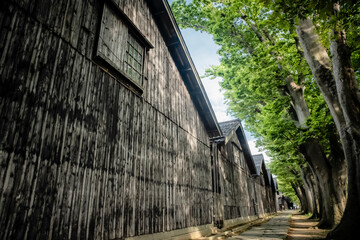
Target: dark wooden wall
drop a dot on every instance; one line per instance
(260, 196)
(81, 156)
(266, 193)
(242, 194)
(237, 184)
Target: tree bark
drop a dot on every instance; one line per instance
(341, 94)
(307, 191)
(300, 194)
(298, 101)
(307, 203)
(349, 101)
(314, 155)
(314, 188)
(322, 169)
(339, 176)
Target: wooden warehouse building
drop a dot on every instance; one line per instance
(242, 193)
(267, 190)
(105, 126)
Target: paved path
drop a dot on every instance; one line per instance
(274, 229)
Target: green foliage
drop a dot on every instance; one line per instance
(287, 170)
(258, 50)
(322, 14)
(352, 25)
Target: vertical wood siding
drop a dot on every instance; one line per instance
(81, 156)
(236, 183)
(242, 195)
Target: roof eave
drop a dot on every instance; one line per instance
(180, 54)
(228, 137)
(246, 149)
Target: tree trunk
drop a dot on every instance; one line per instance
(300, 194)
(314, 186)
(307, 190)
(306, 208)
(349, 98)
(342, 96)
(322, 169)
(339, 176)
(298, 101)
(314, 155)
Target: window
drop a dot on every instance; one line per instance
(134, 60)
(121, 46)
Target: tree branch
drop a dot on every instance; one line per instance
(194, 26)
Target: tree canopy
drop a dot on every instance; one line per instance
(258, 52)
(272, 82)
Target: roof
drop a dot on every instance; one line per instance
(260, 163)
(258, 160)
(229, 126)
(269, 176)
(172, 36)
(273, 182)
(276, 183)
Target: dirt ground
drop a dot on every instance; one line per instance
(303, 228)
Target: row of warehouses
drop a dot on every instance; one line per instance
(106, 131)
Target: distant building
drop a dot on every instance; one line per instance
(242, 189)
(268, 190)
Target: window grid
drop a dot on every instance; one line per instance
(134, 59)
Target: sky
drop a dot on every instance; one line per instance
(203, 51)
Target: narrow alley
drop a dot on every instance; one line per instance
(275, 228)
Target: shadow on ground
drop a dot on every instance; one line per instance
(303, 228)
